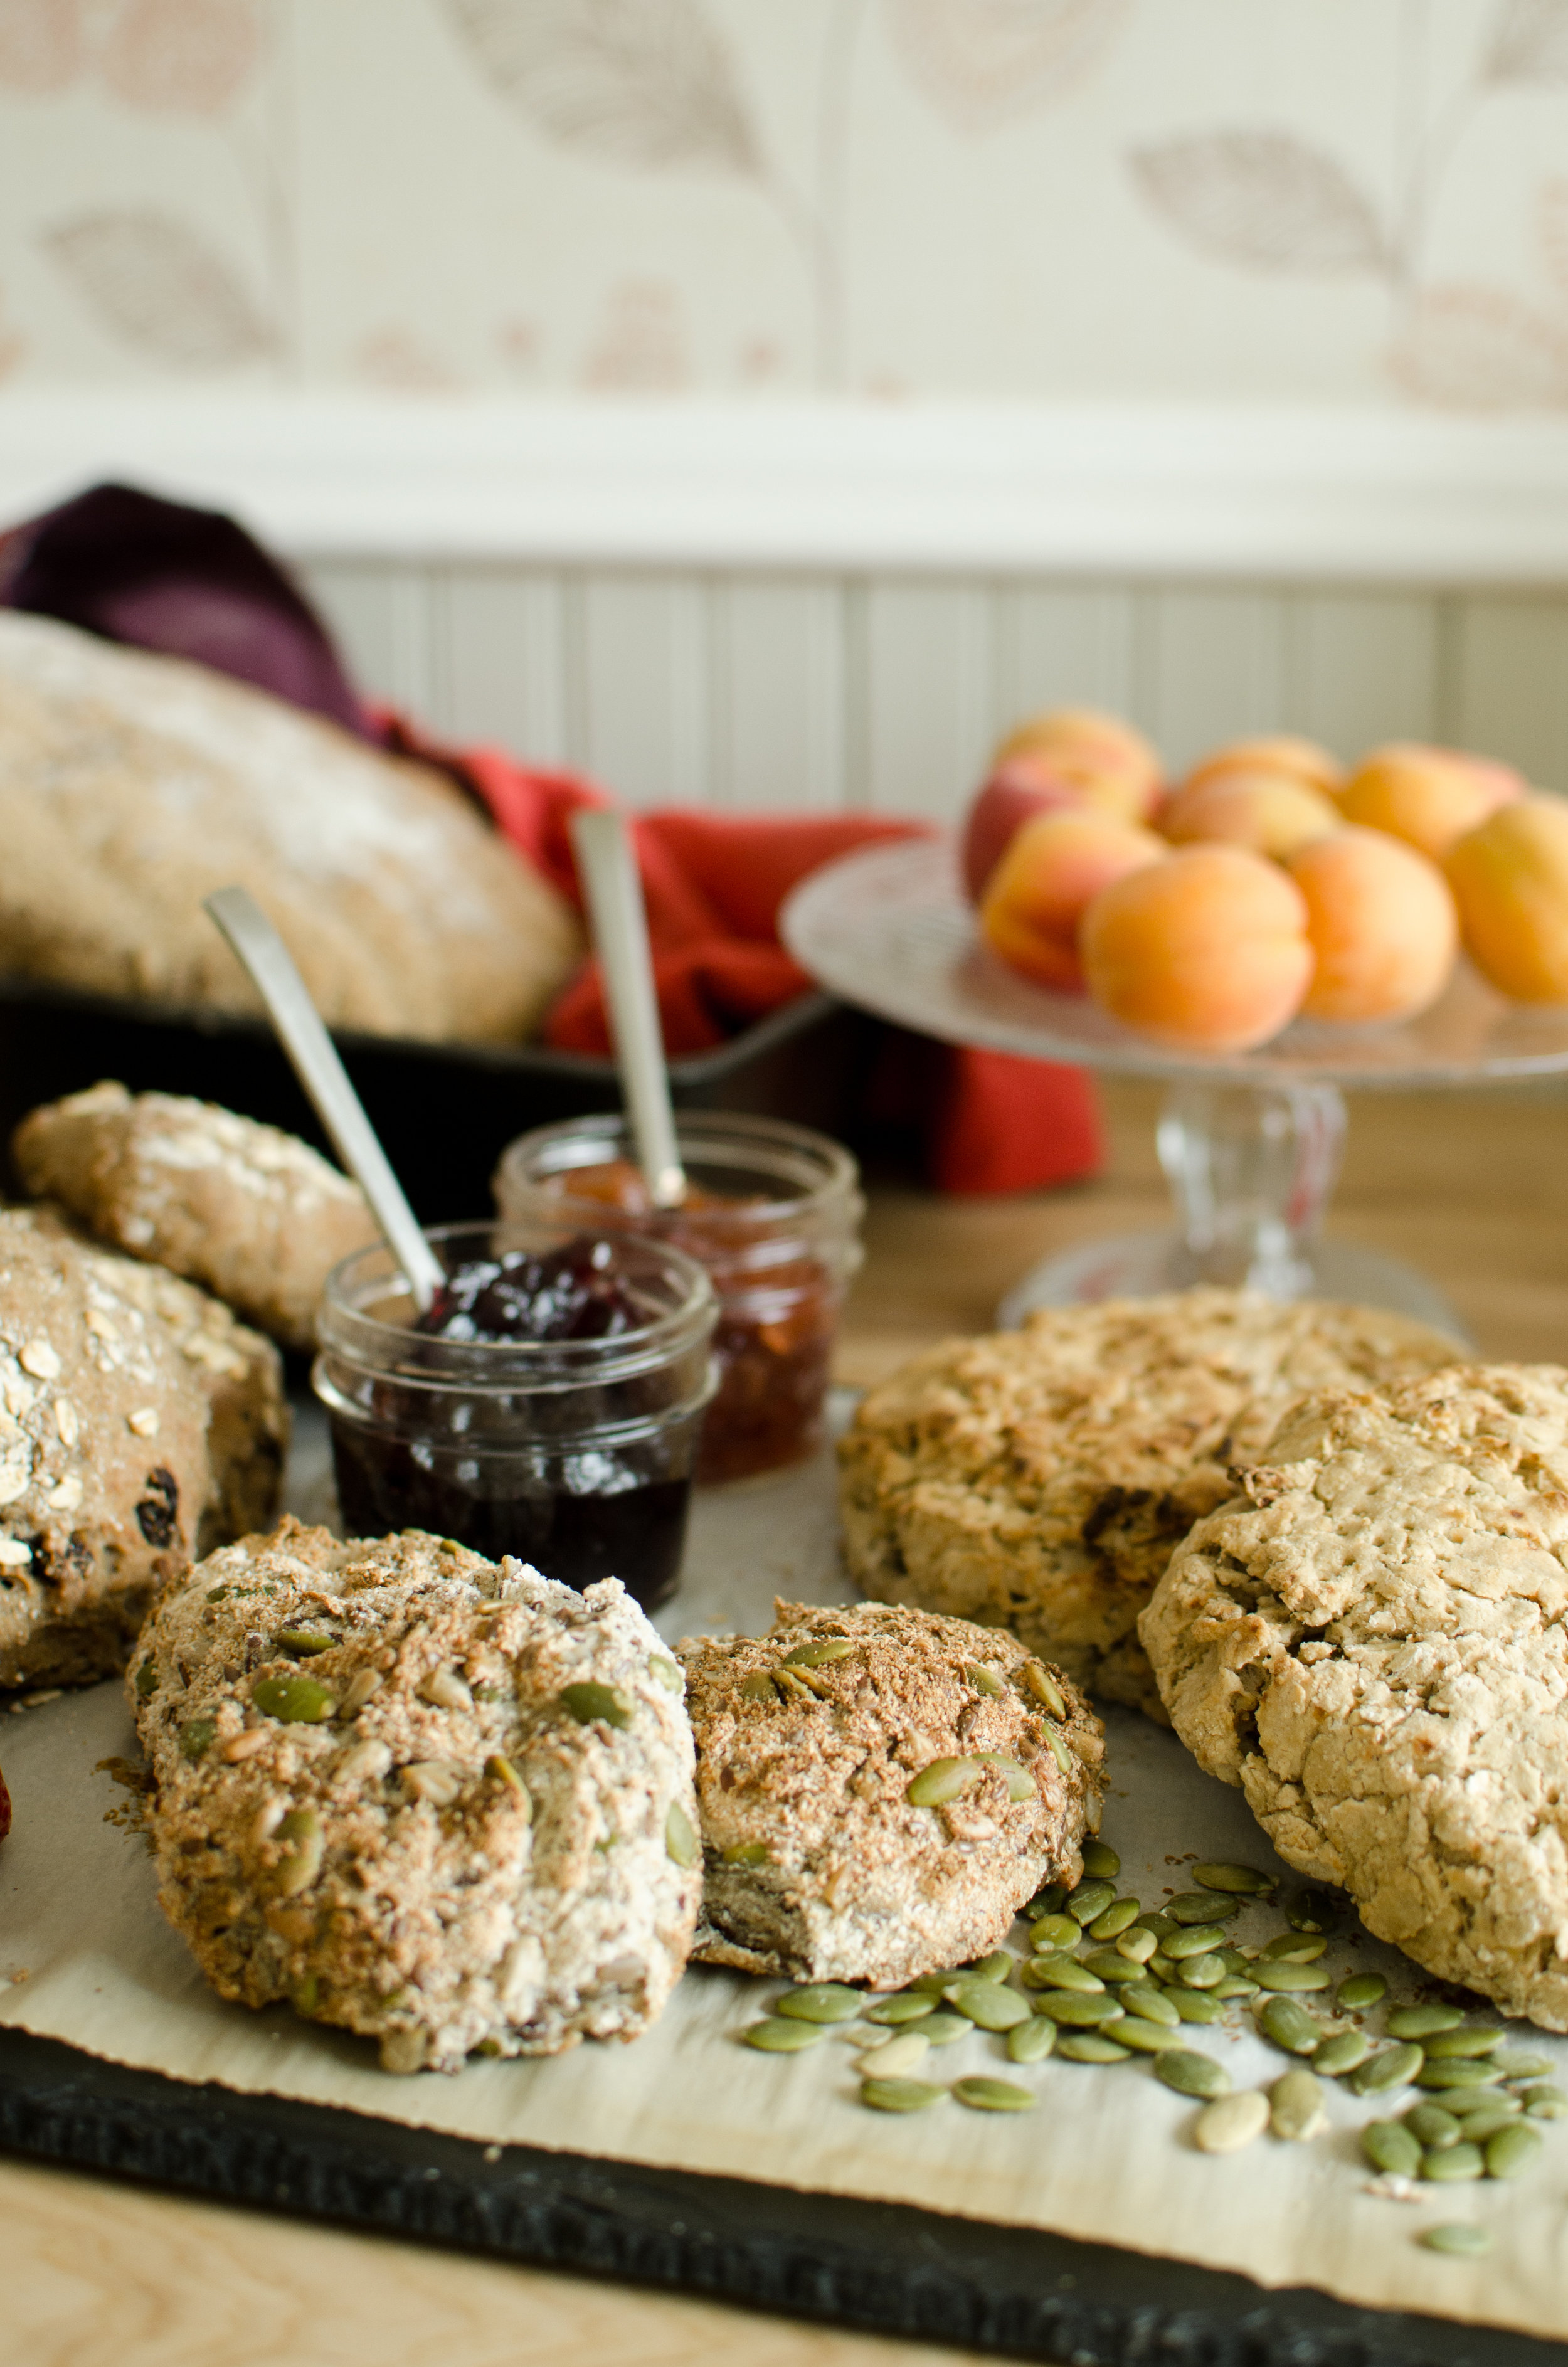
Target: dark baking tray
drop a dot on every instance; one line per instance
(444, 1111)
(884, 2268)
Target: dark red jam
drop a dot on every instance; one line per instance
(573, 1293)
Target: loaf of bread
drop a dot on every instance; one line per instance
(132, 786)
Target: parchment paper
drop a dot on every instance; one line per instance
(1107, 2156)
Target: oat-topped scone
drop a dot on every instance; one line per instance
(1038, 1479)
(880, 1790)
(254, 1214)
(440, 1801)
(139, 1425)
(1373, 1643)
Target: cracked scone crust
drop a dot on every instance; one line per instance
(818, 1866)
(1038, 1480)
(452, 1851)
(250, 1213)
(1373, 1643)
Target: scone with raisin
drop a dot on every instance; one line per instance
(140, 1425)
(440, 1801)
(253, 1214)
(880, 1790)
(1372, 1642)
(1038, 1480)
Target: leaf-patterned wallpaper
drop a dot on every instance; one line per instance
(1271, 200)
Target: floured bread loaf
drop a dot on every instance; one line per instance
(132, 786)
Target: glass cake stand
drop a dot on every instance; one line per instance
(1250, 1143)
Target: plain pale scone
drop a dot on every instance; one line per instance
(818, 1865)
(140, 1425)
(1373, 1643)
(252, 1213)
(436, 1800)
(1038, 1480)
(132, 786)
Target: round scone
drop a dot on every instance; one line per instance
(436, 1800)
(880, 1790)
(252, 1213)
(139, 1425)
(1373, 1643)
(1038, 1480)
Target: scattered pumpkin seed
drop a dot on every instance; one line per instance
(1110, 1967)
(1079, 2012)
(1160, 1967)
(1235, 1960)
(1479, 2128)
(759, 1686)
(1295, 2107)
(1045, 1689)
(1310, 1910)
(196, 1737)
(1391, 2148)
(1290, 2026)
(1047, 1900)
(1089, 1899)
(1190, 2074)
(305, 1842)
(1545, 2103)
(1146, 2037)
(592, 1703)
(1469, 2038)
(993, 2096)
(1201, 1972)
(1465, 2100)
(819, 2002)
(896, 2057)
(1469, 2071)
(907, 2006)
(984, 1680)
(1020, 1783)
(1100, 1859)
(934, 1982)
(1234, 1985)
(1358, 1991)
(293, 1701)
(1032, 2041)
(818, 1655)
(943, 1780)
(1295, 1948)
(1509, 2152)
(1061, 1972)
(1055, 1932)
(1137, 1945)
(1161, 1925)
(1432, 2127)
(745, 1853)
(1143, 1999)
(1195, 2005)
(1467, 2243)
(1340, 2054)
(1271, 1974)
(994, 1968)
(900, 2095)
(989, 2005)
(1118, 1917)
(1245, 1879)
(1395, 2066)
(1232, 2121)
(776, 2037)
(1422, 2020)
(681, 1844)
(945, 2029)
(1453, 2165)
(664, 1672)
(1201, 1906)
(1197, 1940)
(1090, 2046)
(1525, 2066)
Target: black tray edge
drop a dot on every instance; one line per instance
(882, 2268)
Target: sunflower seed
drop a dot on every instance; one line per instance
(908, 2006)
(1100, 1861)
(1471, 2038)
(1090, 2046)
(1078, 2013)
(1296, 2110)
(593, 1704)
(774, 2037)
(1358, 1991)
(304, 1844)
(1032, 2041)
(943, 1780)
(1423, 2020)
(1197, 1940)
(367, 1763)
(681, 1844)
(1195, 2005)
(1232, 2121)
(900, 2095)
(984, 1680)
(1295, 1948)
(1061, 1972)
(434, 1780)
(1310, 1910)
(1391, 2148)
(1396, 2066)
(1137, 1945)
(1453, 2165)
(897, 2058)
(992, 2096)
(1190, 2074)
(1055, 1932)
(361, 1686)
(1143, 1999)
(1089, 1899)
(447, 1690)
(1245, 1879)
(1433, 2127)
(988, 2004)
(1271, 1974)
(1511, 2151)
(1341, 2053)
(1465, 2243)
(1117, 1916)
(1147, 2037)
(1045, 1689)
(1289, 2025)
(817, 1655)
(819, 2002)
(1472, 2071)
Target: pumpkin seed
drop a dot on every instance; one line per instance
(1159, 1925)
(1198, 1940)
(1195, 2005)
(1479, 2128)
(1147, 2037)
(1137, 1945)
(681, 1844)
(1463, 2102)
(1310, 1910)
(302, 1838)
(1089, 1899)
(1020, 1783)
(896, 2057)
(1466, 2243)
(1055, 1932)
(664, 1672)
(984, 1680)
(1032, 2041)
(1396, 2066)
(1059, 1749)
(1142, 1998)
(989, 2005)
(1469, 2038)
(900, 2095)
(1422, 2020)
(759, 1686)
(945, 2029)
(1391, 2148)
(793, 1684)
(1234, 1985)
(1190, 2074)
(1545, 2103)
(905, 2007)
(1289, 2025)
(293, 1701)
(1525, 2066)
(1048, 1900)
(745, 1853)
(1100, 1859)
(1045, 1689)
(1201, 1906)
(196, 1737)
(943, 1780)
(994, 1968)
(1271, 1974)
(1510, 2151)
(1160, 1967)
(1201, 1972)
(774, 2037)
(302, 1642)
(1061, 1972)
(594, 1704)
(147, 1676)
(1295, 2107)
(1295, 1948)
(1341, 2053)
(1245, 1879)
(500, 1770)
(1232, 2121)
(992, 2096)
(1078, 2013)
(1472, 2071)
(819, 2002)
(1109, 1966)
(934, 1982)
(1453, 2165)
(1117, 1916)
(1090, 2046)
(1358, 1991)
(1433, 2127)
(817, 1655)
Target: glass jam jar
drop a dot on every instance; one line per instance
(773, 1211)
(573, 1453)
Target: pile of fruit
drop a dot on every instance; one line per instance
(1269, 883)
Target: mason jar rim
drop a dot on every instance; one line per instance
(826, 1171)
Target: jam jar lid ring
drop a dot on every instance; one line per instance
(828, 1172)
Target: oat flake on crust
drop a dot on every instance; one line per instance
(1374, 1644)
(1038, 1480)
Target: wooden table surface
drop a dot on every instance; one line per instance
(1472, 1188)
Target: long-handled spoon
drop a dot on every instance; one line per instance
(620, 920)
(263, 954)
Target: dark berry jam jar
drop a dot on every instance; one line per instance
(773, 1211)
(548, 1406)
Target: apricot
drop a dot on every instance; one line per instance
(1015, 793)
(1429, 797)
(1382, 922)
(1268, 811)
(1510, 880)
(1038, 892)
(1208, 950)
(1111, 764)
(1298, 760)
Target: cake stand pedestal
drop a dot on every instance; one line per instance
(1250, 1144)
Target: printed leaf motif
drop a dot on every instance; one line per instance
(41, 45)
(1263, 199)
(1475, 348)
(1530, 42)
(160, 289)
(185, 57)
(982, 61)
(644, 82)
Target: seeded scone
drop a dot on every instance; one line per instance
(252, 1213)
(140, 1425)
(1372, 1642)
(880, 1790)
(440, 1801)
(1038, 1480)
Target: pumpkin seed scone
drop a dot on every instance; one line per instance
(1372, 1642)
(440, 1801)
(1038, 1480)
(880, 1790)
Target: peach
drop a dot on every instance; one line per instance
(1015, 793)
(1208, 950)
(1382, 924)
(1510, 878)
(1298, 760)
(1428, 796)
(1268, 811)
(1112, 765)
(1038, 892)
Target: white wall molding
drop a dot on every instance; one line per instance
(1115, 491)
